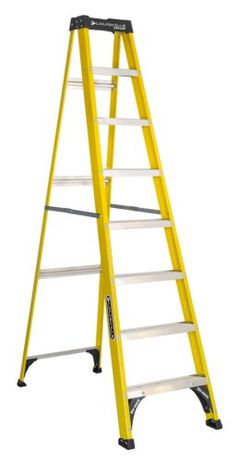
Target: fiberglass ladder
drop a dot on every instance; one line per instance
(127, 397)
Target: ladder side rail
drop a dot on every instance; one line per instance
(104, 237)
(110, 154)
(45, 214)
(165, 207)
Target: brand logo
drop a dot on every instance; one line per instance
(110, 317)
(132, 411)
(109, 24)
(203, 393)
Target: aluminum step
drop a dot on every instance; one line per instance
(146, 277)
(178, 383)
(123, 121)
(131, 172)
(157, 331)
(115, 72)
(69, 271)
(143, 223)
(77, 83)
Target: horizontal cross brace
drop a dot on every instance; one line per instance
(135, 208)
(72, 211)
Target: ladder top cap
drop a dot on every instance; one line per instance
(109, 25)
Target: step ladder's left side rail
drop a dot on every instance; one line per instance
(104, 236)
(45, 214)
(166, 212)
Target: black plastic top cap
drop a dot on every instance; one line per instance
(109, 25)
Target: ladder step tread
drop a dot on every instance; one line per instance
(131, 172)
(161, 386)
(69, 271)
(145, 277)
(158, 330)
(123, 121)
(115, 71)
(142, 223)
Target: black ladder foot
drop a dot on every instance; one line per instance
(97, 370)
(21, 384)
(96, 359)
(126, 443)
(216, 424)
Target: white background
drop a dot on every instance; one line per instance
(187, 53)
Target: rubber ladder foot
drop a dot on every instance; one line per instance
(97, 370)
(126, 443)
(21, 383)
(216, 424)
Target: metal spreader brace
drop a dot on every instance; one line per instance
(127, 397)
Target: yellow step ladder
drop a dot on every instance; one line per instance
(127, 397)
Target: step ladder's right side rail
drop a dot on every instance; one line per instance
(110, 154)
(166, 212)
(104, 237)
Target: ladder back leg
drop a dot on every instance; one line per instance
(21, 382)
(104, 238)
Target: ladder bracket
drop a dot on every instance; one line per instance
(133, 405)
(204, 397)
(29, 361)
(108, 25)
(96, 359)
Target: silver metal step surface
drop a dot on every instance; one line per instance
(77, 83)
(62, 181)
(69, 271)
(115, 72)
(178, 383)
(157, 331)
(146, 277)
(143, 223)
(130, 172)
(123, 121)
